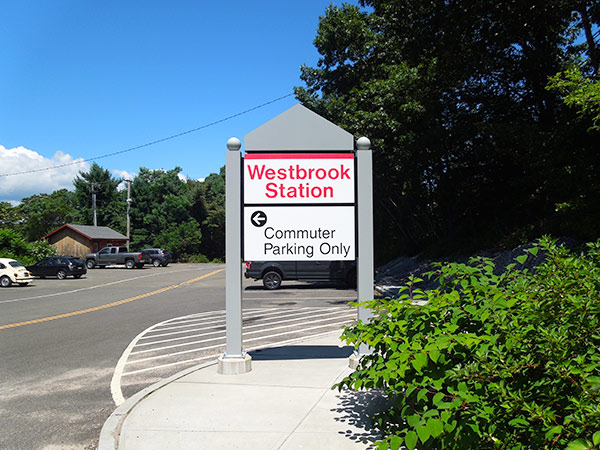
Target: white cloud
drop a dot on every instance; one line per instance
(15, 160)
(125, 175)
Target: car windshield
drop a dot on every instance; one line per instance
(15, 264)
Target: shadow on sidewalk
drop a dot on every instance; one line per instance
(302, 352)
(356, 409)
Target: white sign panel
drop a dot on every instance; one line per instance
(291, 178)
(292, 233)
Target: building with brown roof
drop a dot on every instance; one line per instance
(77, 240)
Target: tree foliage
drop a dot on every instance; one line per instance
(161, 213)
(470, 148)
(15, 246)
(580, 92)
(209, 210)
(9, 216)
(46, 212)
(110, 202)
(506, 361)
(185, 217)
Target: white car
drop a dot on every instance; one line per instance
(12, 271)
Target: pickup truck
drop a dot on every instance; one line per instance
(273, 272)
(114, 255)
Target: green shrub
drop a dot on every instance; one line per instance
(491, 361)
(13, 245)
(194, 259)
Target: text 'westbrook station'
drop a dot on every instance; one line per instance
(311, 178)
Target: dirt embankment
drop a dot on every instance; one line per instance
(394, 274)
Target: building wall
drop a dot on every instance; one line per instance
(69, 243)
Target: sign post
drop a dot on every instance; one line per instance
(365, 263)
(235, 360)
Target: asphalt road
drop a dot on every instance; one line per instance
(70, 350)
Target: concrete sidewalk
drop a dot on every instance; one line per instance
(285, 402)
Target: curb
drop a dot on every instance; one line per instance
(111, 430)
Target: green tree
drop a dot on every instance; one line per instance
(110, 203)
(208, 209)
(470, 148)
(43, 213)
(9, 215)
(161, 213)
(579, 91)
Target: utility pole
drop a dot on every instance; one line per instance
(93, 187)
(128, 208)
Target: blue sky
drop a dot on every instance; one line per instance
(82, 79)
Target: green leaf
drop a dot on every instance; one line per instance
(553, 431)
(438, 398)
(596, 438)
(521, 259)
(411, 440)
(518, 423)
(413, 420)
(395, 442)
(435, 426)
(423, 433)
(420, 361)
(579, 444)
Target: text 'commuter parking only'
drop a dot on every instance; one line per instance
(323, 250)
(293, 233)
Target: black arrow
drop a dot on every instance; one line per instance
(258, 218)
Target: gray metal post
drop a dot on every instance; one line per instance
(365, 269)
(235, 360)
(128, 210)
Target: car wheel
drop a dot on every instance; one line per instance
(272, 280)
(61, 274)
(76, 276)
(129, 264)
(156, 263)
(5, 281)
(90, 264)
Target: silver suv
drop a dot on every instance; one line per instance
(156, 256)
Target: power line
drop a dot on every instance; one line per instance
(149, 143)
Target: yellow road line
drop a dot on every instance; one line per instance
(109, 305)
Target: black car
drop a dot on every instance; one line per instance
(273, 272)
(58, 266)
(156, 256)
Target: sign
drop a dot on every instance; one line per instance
(299, 233)
(299, 206)
(292, 178)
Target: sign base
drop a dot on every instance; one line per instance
(234, 365)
